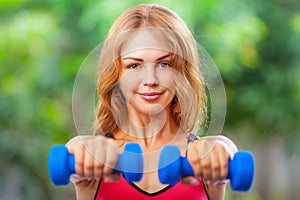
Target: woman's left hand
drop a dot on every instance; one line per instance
(209, 158)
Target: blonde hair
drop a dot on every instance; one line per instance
(188, 108)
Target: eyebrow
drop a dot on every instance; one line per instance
(141, 59)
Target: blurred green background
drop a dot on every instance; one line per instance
(255, 44)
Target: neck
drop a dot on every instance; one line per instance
(151, 131)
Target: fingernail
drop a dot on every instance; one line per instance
(109, 180)
(194, 182)
(112, 178)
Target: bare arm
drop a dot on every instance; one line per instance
(86, 190)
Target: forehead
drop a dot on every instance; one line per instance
(144, 40)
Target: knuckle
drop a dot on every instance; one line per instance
(194, 160)
(198, 172)
(223, 176)
(224, 165)
(79, 162)
(99, 165)
(89, 166)
(79, 169)
(215, 167)
(98, 172)
(206, 164)
(78, 166)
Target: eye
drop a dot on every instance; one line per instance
(134, 66)
(164, 64)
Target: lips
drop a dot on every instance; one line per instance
(150, 96)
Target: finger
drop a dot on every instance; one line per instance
(98, 168)
(112, 178)
(88, 165)
(194, 160)
(206, 168)
(215, 166)
(205, 148)
(110, 159)
(190, 180)
(99, 159)
(79, 159)
(224, 159)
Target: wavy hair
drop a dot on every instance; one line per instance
(188, 108)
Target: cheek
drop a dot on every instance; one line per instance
(167, 80)
(128, 83)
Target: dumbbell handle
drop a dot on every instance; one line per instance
(61, 164)
(240, 168)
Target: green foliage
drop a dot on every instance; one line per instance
(255, 44)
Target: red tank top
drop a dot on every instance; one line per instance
(122, 190)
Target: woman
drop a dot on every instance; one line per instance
(150, 91)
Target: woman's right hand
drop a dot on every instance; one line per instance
(95, 157)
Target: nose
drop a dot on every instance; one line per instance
(150, 75)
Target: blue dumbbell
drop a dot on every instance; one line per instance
(61, 164)
(172, 166)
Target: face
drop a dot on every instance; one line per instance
(146, 79)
